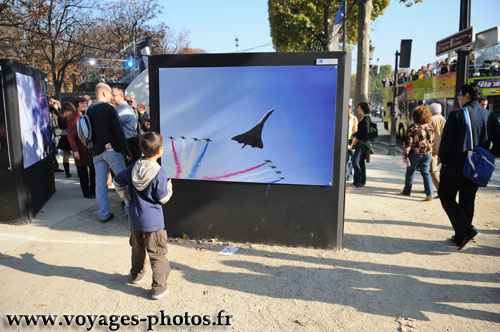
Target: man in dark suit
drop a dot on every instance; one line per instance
(453, 153)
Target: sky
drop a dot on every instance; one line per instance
(214, 25)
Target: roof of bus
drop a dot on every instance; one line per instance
(441, 86)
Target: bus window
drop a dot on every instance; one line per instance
(402, 109)
(449, 107)
(411, 105)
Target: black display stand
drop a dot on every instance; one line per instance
(24, 190)
(296, 215)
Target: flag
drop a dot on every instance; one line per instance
(339, 12)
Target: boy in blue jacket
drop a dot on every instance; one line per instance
(144, 187)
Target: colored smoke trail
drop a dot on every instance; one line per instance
(275, 181)
(232, 174)
(264, 177)
(191, 155)
(254, 174)
(176, 159)
(183, 153)
(194, 170)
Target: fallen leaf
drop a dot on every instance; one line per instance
(301, 323)
(205, 292)
(41, 304)
(366, 211)
(185, 236)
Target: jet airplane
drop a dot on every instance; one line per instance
(208, 140)
(183, 137)
(277, 172)
(267, 160)
(253, 137)
(272, 167)
(171, 137)
(196, 139)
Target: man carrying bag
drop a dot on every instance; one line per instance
(453, 152)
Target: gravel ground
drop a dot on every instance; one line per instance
(397, 271)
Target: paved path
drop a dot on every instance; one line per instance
(397, 270)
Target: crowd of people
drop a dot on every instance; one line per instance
(488, 67)
(133, 119)
(437, 148)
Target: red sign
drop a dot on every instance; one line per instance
(454, 42)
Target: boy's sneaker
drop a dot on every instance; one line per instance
(160, 296)
(137, 280)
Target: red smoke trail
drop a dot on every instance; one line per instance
(177, 164)
(232, 174)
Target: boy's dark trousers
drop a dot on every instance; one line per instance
(155, 244)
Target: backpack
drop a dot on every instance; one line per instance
(84, 129)
(480, 163)
(372, 130)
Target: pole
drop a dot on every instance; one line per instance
(463, 56)
(392, 145)
(344, 27)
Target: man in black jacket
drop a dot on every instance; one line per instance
(109, 145)
(453, 153)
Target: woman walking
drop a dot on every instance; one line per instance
(417, 150)
(361, 146)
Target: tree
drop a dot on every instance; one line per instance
(303, 25)
(50, 35)
(376, 83)
(56, 36)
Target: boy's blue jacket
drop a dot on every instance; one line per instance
(144, 186)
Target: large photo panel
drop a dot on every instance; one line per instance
(257, 124)
(34, 117)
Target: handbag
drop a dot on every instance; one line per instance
(480, 163)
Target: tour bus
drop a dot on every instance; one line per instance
(440, 89)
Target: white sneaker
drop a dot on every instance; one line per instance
(160, 296)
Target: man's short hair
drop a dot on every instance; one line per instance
(101, 87)
(482, 99)
(150, 143)
(119, 88)
(436, 108)
(473, 90)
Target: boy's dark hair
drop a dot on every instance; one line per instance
(150, 143)
(473, 90)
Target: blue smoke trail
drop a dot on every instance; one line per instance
(197, 164)
(275, 181)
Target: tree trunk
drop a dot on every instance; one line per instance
(327, 22)
(363, 66)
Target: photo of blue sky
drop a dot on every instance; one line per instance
(220, 103)
(34, 117)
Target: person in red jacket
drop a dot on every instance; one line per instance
(82, 155)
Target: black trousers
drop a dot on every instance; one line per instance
(87, 179)
(453, 181)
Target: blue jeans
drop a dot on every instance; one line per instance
(358, 163)
(348, 172)
(421, 162)
(116, 162)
